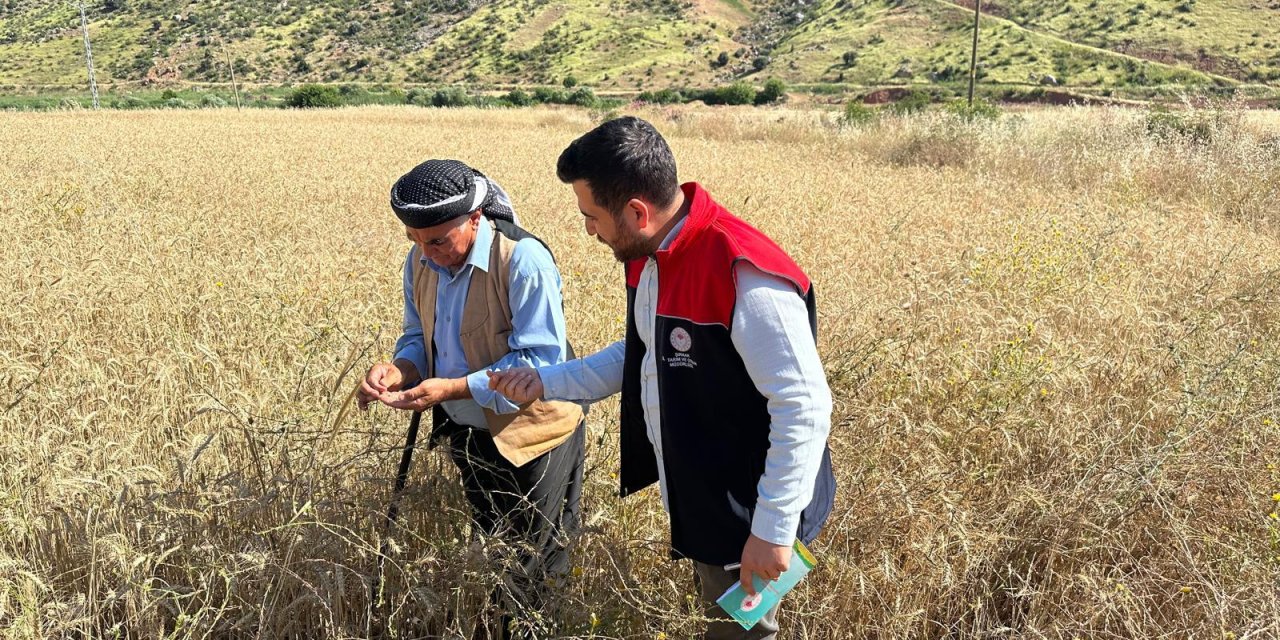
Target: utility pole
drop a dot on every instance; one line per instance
(973, 59)
(88, 55)
(231, 65)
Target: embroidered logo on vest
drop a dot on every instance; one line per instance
(681, 340)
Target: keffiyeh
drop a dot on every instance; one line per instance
(438, 191)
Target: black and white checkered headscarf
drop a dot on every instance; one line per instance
(438, 191)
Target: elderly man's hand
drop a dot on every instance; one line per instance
(382, 377)
(520, 385)
(427, 394)
(764, 559)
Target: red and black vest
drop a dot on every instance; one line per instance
(715, 423)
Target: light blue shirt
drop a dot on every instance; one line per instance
(537, 316)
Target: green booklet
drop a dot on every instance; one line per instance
(748, 610)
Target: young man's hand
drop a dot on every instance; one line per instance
(427, 394)
(382, 377)
(764, 559)
(520, 385)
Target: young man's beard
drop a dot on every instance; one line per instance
(627, 246)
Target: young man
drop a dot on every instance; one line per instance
(724, 401)
(481, 293)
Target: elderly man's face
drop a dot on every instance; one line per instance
(447, 244)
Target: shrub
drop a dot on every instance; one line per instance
(570, 82)
(1196, 126)
(736, 93)
(773, 91)
(826, 89)
(546, 95)
(980, 111)
(583, 97)
(518, 98)
(857, 114)
(486, 101)
(663, 96)
(915, 101)
(314, 96)
(1020, 94)
(451, 97)
(212, 101)
(176, 103)
(351, 90)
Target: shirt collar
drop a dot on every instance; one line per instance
(671, 235)
(701, 214)
(479, 255)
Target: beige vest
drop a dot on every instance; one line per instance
(486, 324)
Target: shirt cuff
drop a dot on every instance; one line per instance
(553, 380)
(478, 384)
(772, 525)
(415, 354)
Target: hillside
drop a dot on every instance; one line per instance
(632, 44)
(930, 40)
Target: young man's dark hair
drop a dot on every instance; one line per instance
(620, 160)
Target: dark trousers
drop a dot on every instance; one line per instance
(713, 581)
(533, 508)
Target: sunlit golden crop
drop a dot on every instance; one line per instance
(1054, 344)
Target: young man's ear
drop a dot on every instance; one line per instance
(639, 211)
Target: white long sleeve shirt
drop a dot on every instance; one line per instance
(770, 331)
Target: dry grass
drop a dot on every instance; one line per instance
(1055, 346)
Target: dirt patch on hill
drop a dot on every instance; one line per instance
(529, 34)
(988, 8)
(885, 96)
(1200, 61)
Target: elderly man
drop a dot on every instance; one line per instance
(481, 294)
(724, 401)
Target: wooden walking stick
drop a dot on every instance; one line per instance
(393, 510)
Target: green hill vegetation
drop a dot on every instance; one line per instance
(637, 45)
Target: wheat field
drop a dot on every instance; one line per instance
(1054, 344)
